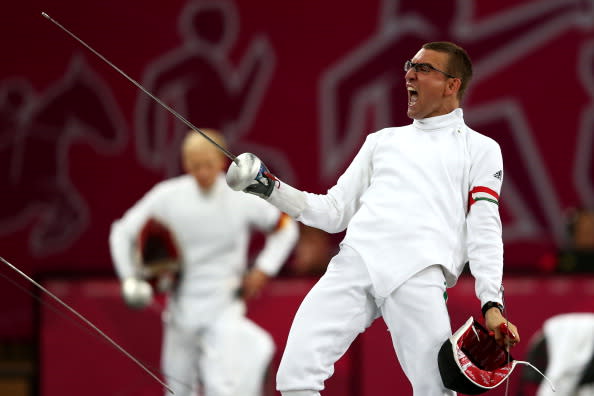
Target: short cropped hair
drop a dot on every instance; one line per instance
(459, 63)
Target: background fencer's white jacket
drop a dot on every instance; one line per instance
(212, 231)
(570, 345)
(419, 195)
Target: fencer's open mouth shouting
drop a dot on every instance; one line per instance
(427, 84)
(412, 95)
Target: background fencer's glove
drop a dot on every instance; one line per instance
(249, 174)
(137, 293)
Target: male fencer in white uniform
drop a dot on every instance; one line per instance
(417, 203)
(207, 338)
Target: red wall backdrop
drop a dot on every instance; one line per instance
(300, 83)
(74, 360)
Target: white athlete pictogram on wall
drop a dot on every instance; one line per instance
(38, 132)
(199, 80)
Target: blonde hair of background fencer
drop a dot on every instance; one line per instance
(201, 158)
(195, 141)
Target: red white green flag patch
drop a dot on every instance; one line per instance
(481, 193)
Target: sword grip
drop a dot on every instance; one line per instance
(506, 331)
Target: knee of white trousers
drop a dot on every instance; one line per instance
(416, 341)
(266, 348)
(255, 366)
(301, 393)
(291, 375)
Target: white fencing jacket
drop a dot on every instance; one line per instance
(212, 230)
(415, 196)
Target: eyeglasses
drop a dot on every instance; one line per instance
(423, 67)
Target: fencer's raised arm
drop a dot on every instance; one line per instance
(250, 175)
(330, 212)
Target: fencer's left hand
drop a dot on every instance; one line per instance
(137, 293)
(494, 321)
(253, 283)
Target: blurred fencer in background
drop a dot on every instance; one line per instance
(189, 235)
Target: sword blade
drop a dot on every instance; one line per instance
(143, 89)
(88, 323)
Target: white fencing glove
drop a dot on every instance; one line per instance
(137, 293)
(249, 174)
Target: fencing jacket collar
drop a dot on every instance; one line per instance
(440, 122)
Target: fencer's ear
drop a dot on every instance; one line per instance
(453, 86)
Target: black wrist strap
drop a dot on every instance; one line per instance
(491, 304)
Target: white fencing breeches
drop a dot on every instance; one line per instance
(342, 305)
(229, 358)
